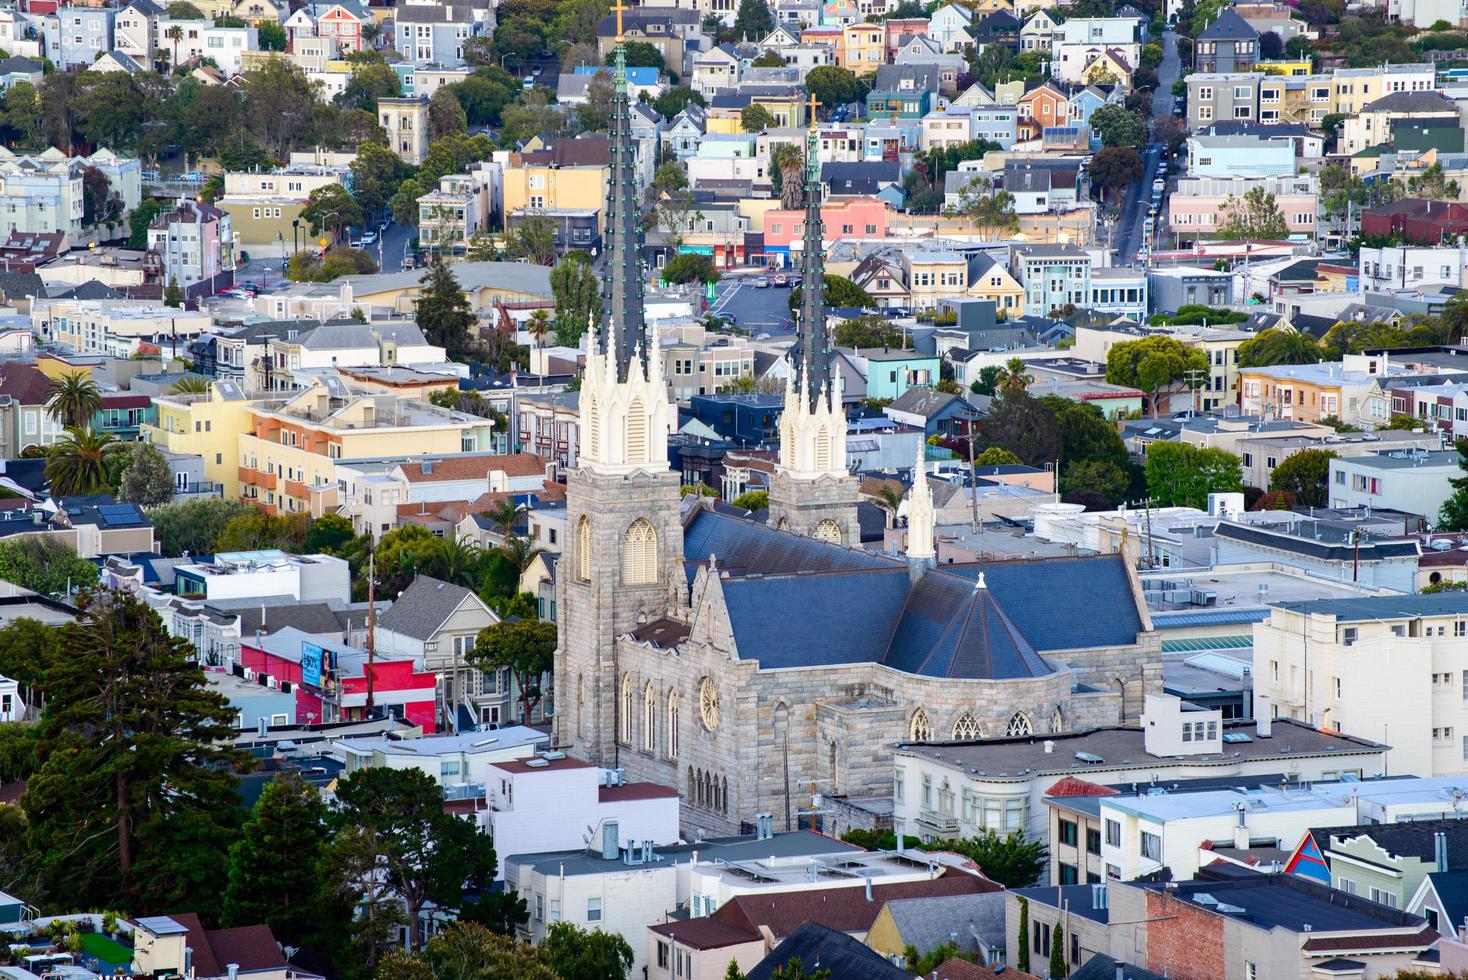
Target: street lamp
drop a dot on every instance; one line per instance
(296, 234)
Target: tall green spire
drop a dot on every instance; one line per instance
(813, 340)
(624, 329)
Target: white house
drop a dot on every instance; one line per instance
(251, 574)
(452, 760)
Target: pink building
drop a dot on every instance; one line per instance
(858, 217)
(1196, 208)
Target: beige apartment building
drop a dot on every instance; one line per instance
(265, 208)
(406, 122)
(1306, 99)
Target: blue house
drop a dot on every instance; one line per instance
(902, 92)
(743, 419)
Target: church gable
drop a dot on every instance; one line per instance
(744, 547)
(950, 628)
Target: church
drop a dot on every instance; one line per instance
(756, 665)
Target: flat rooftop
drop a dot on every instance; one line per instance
(1290, 902)
(789, 845)
(1121, 748)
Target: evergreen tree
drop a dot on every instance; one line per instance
(753, 21)
(173, 296)
(1059, 966)
(1454, 513)
(273, 868)
(132, 776)
(580, 954)
(443, 311)
(147, 481)
(1023, 939)
(578, 297)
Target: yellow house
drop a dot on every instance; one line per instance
(208, 425)
(788, 107)
(288, 452)
(1286, 67)
(550, 186)
(723, 122)
(864, 48)
(934, 274)
(989, 279)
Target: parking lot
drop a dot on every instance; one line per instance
(756, 310)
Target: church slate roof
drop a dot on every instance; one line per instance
(746, 548)
(1091, 603)
(816, 620)
(949, 628)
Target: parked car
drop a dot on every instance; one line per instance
(781, 280)
(369, 238)
(762, 283)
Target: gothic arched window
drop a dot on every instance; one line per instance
(583, 549)
(649, 718)
(724, 794)
(922, 729)
(1019, 725)
(672, 724)
(827, 530)
(966, 729)
(1057, 721)
(636, 432)
(626, 726)
(640, 554)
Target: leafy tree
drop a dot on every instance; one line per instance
(793, 969)
(1115, 168)
(834, 86)
(331, 208)
(468, 951)
(370, 81)
(1279, 346)
(1182, 475)
(1305, 475)
(1098, 476)
(577, 292)
(1059, 965)
(753, 20)
(585, 954)
(173, 296)
(755, 118)
(1119, 126)
(443, 311)
(996, 456)
(73, 399)
(769, 58)
(838, 292)
(525, 647)
(1156, 365)
(1431, 184)
(1023, 940)
(1298, 46)
(278, 105)
(533, 239)
(531, 113)
(1024, 426)
(424, 854)
(518, 39)
(1009, 859)
(327, 533)
(256, 530)
(641, 54)
(988, 380)
(274, 876)
(1085, 433)
(131, 769)
(44, 565)
(192, 525)
(787, 175)
(138, 220)
(446, 116)
(101, 205)
(673, 101)
(182, 10)
(1454, 513)
(76, 464)
(752, 500)
(147, 481)
(688, 268)
(869, 331)
(485, 94)
(271, 36)
(989, 210)
(1255, 215)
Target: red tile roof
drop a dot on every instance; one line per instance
(476, 467)
(843, 909)
(705, 933)
(26, 384)
(957, 969)
(1071, 786)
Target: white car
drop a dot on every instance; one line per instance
(370, 238)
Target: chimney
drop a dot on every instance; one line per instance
(1440, 850)
(869, 889)
(1263, 722)
(234, 971)
(261, 728)
(1049, 746)
(1241, 831)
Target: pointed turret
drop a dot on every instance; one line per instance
(622, 286)
(813, 347)
(921, 554)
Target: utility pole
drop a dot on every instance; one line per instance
(1193, 378)
(371, 630)
(973, 479)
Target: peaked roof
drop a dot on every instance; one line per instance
(248, 947)
(1229, 26)
(952, 628)
(1071, 786)
(423, 607)
(834, 951)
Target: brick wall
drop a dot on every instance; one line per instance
(1183, 941)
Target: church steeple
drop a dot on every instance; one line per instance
(921, 554)
(622, 287)
(813, 348)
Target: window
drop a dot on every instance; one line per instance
(921, 729)
(640, 553)
(1113, 833)
(966, 729)
(672, 724)
(1347, 885)
(649, 718)
(1384, 897)
(897, 782)
(539, 908)
(1068, 833)
(1093, 840)
(626, 719)
(1151, 846)
(1444, 734)
(1348, 637)
(593, 910)
(555, 910)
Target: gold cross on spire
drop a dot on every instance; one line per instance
(812, 104)
(617, 9)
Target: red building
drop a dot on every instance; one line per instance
(1417, 221)
(329, 680)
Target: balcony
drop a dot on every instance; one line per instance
(938, 823)
(295, 488)
(249, 475)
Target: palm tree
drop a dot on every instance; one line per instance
(520, 551)
(1281, 345)
(1014, 376)
(505, 517)
(189, 384)
(1454, 319)
(77, 466)
(890, 499)
(539, 326)
(174, 34)
(73, 400)
(451, 560)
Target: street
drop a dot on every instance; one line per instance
(755, 310)
(1131, 229)
(267, 262)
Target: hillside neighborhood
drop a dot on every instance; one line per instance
(713, 490)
